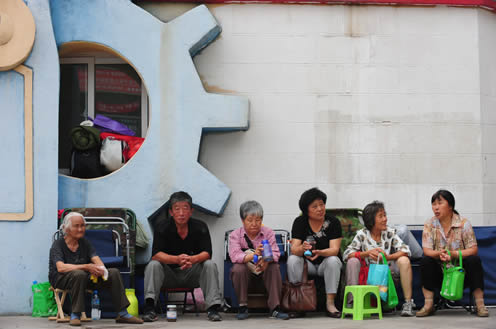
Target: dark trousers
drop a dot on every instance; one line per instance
(432, 273)
(241, 277)
(78, 281)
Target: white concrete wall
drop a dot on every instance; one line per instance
(487, 51)
(366, 102)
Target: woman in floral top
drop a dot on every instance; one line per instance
(447, 230)
(375, 238)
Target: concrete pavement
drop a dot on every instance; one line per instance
(443, 319)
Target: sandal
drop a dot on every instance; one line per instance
(481, 312)
(425, 312)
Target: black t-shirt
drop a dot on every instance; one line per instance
(60, 252)
(330, 230)
(168, 240)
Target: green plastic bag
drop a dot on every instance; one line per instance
(392, 298)
(43, 300)
(453, 278)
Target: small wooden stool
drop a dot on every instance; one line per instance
(60, 312)
(361, 302)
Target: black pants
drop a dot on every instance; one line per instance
(77, 281)
(432, 273)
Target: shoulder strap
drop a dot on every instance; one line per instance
(305, 271)
(248, 241)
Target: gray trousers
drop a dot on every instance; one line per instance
(330, 269)
(205, 275)
(408, 238)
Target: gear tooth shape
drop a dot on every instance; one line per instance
(197, 29)
(180, 108)
(209, 190)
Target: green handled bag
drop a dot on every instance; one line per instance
(453, 278)
(392, 298)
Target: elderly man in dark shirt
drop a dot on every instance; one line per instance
(73, 259)
(181, 258)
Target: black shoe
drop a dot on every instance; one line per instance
(213, 313)
(150, 316)
(335, 315)
(242, 313)
(278, 314)
(296, 315)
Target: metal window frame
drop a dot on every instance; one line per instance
(91, 62)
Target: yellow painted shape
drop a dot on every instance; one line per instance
(17, 32)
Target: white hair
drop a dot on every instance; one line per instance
(67, 223)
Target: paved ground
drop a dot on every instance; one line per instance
(459, 319)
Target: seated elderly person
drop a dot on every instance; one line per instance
(245, 245)
(319, 236)
(73, 260)
(375, 238)
(181, 259)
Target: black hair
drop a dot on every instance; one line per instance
(446, 195)
(369, 213)
(179, 197)
(310, 196)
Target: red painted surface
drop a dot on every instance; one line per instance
(487, 4)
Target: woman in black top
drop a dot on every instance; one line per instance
(321, 234)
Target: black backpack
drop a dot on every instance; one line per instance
(86, 164)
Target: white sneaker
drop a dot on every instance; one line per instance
(407, 309)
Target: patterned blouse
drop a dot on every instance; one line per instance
(460, 235)
(390, 243)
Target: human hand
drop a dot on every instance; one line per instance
(185, 261)
(261, 265)
(259, 250)
(96, 270)
(306, 246)
(444, 256)
(315, 253)
(374, 253)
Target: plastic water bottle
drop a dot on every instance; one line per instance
(311, 240)
(267, 251)
(95, 306)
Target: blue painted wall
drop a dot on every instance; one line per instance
(12, 127)
(25, 245)
(180, 109)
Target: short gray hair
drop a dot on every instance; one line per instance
(67, 223)
(250, 208)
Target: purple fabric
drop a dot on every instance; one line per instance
(109, 125)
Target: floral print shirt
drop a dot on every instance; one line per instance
(460, 235)
(390, 243)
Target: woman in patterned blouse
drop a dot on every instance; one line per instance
(375, 238)
(447, 230)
